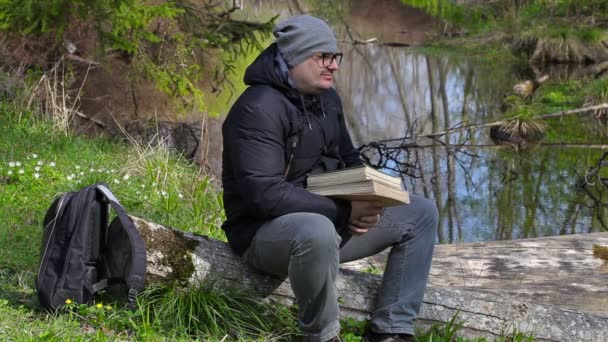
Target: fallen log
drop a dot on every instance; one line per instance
(559, 271)
(188, 258)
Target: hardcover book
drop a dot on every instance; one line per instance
(359, 183)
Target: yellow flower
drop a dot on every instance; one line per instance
(99, 305)
(68, 301)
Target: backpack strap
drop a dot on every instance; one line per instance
(135, 282)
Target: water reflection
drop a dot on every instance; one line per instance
(391, 92)
(485, 192)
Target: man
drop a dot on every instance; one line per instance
(288, 123)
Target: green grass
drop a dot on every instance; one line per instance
(489, 25)
(563, 19)
(36, 164)
(474, 18)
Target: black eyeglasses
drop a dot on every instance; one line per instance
(327, 58)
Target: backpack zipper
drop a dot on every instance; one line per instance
(69, 252)
(52, 234)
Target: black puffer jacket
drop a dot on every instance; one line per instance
(270, 124)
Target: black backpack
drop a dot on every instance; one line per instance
(81, 254)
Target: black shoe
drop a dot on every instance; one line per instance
(371, 336)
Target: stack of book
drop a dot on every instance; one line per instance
(359, 183)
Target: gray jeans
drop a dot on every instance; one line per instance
(306, 248)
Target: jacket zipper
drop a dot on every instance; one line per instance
(294, 144)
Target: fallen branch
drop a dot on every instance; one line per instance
(360, 42)
(374, 41)
(502, 122)
(574, 111)
(95, 121)
(494, 146)
(82, 60)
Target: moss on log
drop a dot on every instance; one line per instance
(169, 251)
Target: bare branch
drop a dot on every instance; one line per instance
(501, 122)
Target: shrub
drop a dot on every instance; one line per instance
(163, 41)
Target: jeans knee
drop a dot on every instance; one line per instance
(429, 213)
(317, 236)
(427, 217)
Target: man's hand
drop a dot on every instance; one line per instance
(363, 216)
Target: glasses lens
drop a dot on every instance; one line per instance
(338, 58)
(329, 58)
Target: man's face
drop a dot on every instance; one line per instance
(316, 73)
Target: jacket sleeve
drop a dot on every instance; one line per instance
(257, 148)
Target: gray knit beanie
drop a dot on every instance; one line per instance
(301, 36)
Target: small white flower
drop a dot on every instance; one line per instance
(138, 192)
(17, 163)
(164, 193)
(10, 172)
(52, 164)
(143, 186)
(34, 155)
(77, 167)
(37, 168)
(154, 184)
(22, 171)
(91, 170)
(125, 177)
(108, 172)
(70, 177)
(11, 164)
(112, 170)
(81, 173)
(180, 195)
(40, 162)
(36, 175)
(146, 197)
(116, 181)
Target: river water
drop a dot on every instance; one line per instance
(394, 94)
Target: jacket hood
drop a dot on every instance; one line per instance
(269, 68)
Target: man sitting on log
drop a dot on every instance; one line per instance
(288, 123)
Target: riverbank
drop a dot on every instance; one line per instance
(560, 50)
(539, 31)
